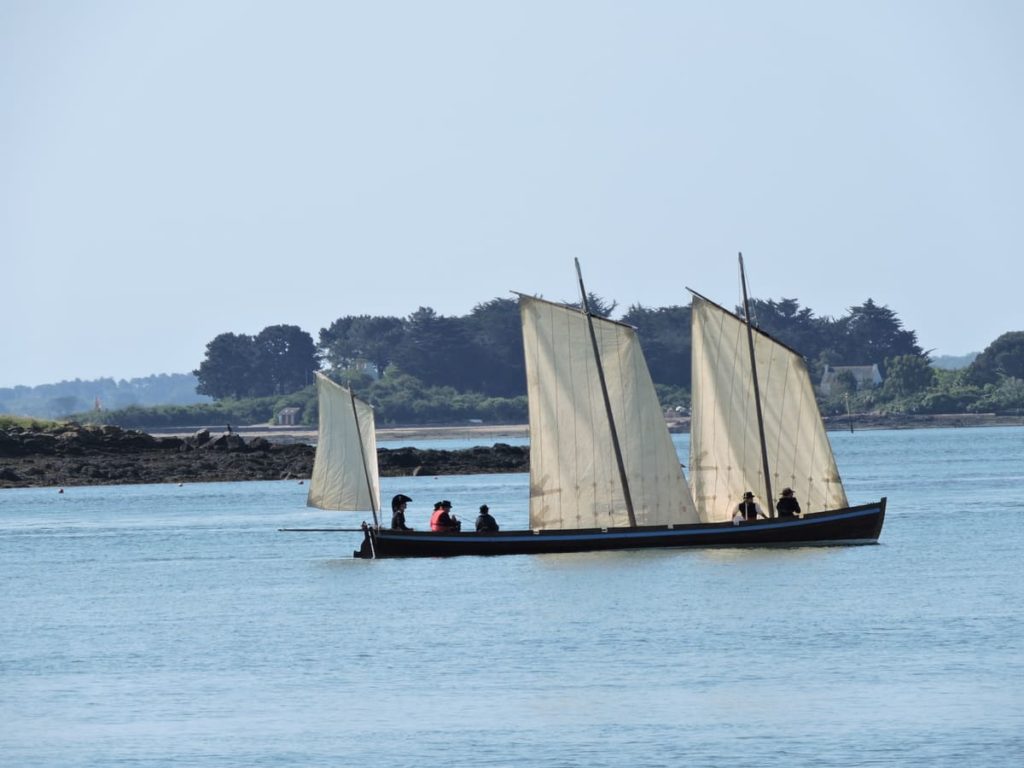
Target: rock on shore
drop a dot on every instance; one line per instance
(70, 455)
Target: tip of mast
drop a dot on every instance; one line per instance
(584, 304)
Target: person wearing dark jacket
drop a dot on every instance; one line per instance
(398, 512)
(485, 523)
(788, 506)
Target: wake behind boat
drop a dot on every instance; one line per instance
(604, 474)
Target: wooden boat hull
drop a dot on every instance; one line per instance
(842, 527)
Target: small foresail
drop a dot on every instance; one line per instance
(574, 476)
(345, 475)
(725, 451)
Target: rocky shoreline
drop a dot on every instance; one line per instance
(73, 455)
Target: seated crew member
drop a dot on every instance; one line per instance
(398, 512)
(486, 523)
(788, 506)
(748, 508)
(442, 519)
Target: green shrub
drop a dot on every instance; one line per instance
(6, 422)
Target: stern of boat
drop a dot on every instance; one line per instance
(367, 550)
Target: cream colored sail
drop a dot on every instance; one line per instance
(345, 473)
(574, 476)
(725, 449)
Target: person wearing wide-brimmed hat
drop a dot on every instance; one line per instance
(787, 505)
(398, 512)
(748, 509)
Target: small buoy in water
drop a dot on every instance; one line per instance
(300, 482)
(180, 484)
(61, 491)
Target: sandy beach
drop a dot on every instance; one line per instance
(304, 434)
(497, 432)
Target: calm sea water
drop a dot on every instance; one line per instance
(162, 625)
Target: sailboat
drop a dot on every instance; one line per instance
(345, 475)
(755, 423)
(604, 474)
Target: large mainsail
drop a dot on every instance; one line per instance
(345, 473)
(574, 477)
(725, 450)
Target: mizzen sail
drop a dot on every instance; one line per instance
(345, 475)
(574, 477)
(725, 451)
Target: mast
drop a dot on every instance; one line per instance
(362, 455)
(607, 402)
(769, 499)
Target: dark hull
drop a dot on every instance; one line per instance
(853, 525)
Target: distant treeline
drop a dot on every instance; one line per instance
(482, 352)
(48, 401)
(406, 402)
(428, 368)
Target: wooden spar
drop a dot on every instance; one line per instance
(607, 401)
(362, 455)
(769, 499)
(320, 530)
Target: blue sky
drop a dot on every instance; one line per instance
(173, 170)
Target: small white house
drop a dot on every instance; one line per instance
(288, 417)
(866, 376)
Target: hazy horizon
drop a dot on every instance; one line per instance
(172, 171)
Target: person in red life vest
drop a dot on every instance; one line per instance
(442, 519)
